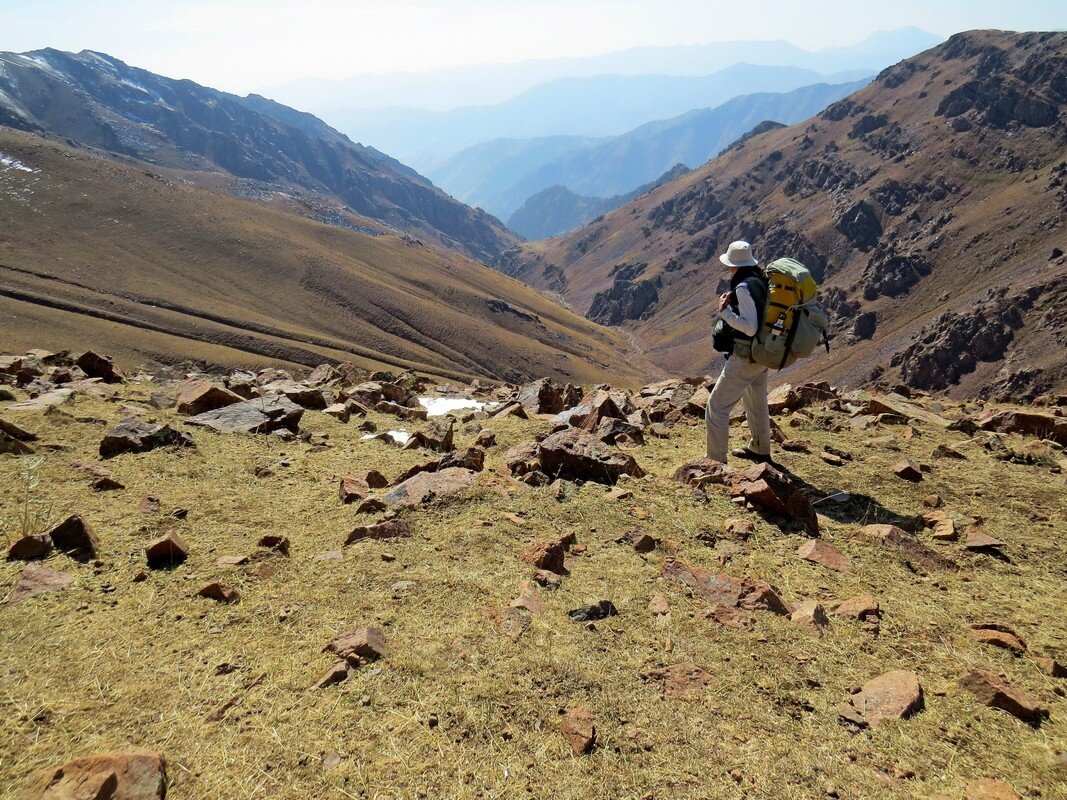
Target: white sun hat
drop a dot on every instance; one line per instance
(738, 254)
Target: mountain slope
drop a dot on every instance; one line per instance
(557, 209)
(602, 105)
(613, 166)
(932, 204)
(101, 102)
(95, 253)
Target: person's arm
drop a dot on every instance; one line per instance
(746, 319)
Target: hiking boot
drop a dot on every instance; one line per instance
(744, 452)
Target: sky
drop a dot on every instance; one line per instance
(243, 45)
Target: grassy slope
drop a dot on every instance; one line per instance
(114, 664)
(1006, 224)
(251, 283)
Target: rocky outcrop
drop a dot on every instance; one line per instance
(892, 274)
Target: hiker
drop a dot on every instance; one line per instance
(739, 313)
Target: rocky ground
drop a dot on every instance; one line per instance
(245, 586)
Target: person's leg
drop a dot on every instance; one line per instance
(759, 418)
(728, 390)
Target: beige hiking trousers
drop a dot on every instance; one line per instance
(739, 379)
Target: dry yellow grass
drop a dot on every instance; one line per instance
(111, 664)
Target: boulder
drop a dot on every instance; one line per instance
(196, 397)
(573, 454)
(75, 537)
(1031, 423)
(30, 548)
(426, 487)
(545, 397)
(811, 615)
(404, 412)
(437, 436)
(129, 775)
(997, 635)
(469, 458)
(486, 439)
(339, 411)
(942, 525)
(386, 529)
(994, 691)
(547, 555)
(860, 607)
(1051, 667)
(908, 471)
(914, 552)
(220, 592)
(726, 590)
(589, 415)
(578, 729)
(167, 551)
(819, 552)
(774, 492)
(510, 410)
(35, 580)
(522, 459)
(352, 489)
(894, 695)
(133, 436)
(981, 541)
(97, 366)
(701, 471)
(360, 646)
(260, 415)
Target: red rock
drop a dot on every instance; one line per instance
(29, 548)
(339, 411)
(727, 616)
(908, 471)
(859, 607)
(659, 605)
(74, 537)
(149, 505)
(529, 599)
(701, 472)
(547, 555)
(725, 590)
(913, 551)
(548, 579)
(998, 635)
(486, 439)
(977, 540)
(894, 695)
(35, 580)
(820, 552)
(352, 489)
(360, 646)
(578, 729)
(339, 672)
(994, 691)
(197, 397)
(372, 478)
(774, 492)
(739, 528)
(942, 524)
(386, 529)
(989, 789)
(510, 621)
(220, 592)
(683, 681)
(232, 561)
(166, 551)
(812, 616)
(131, 775)
(573, 454)
(428, 487)
(97, 366)
(1051, 667)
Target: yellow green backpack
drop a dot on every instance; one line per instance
(793, 324)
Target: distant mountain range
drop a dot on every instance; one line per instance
(489, 84)
(557, 209)
(930, 205)
(503, 174)
(602, 105)
(98, 101)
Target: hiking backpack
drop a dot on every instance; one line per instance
(793, 324)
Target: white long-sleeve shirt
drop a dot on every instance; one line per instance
(746, 319)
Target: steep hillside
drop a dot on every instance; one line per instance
(931, 203)
(612, 166)
(601, 105)
(557, 209)
(146, 267)
(98, 101)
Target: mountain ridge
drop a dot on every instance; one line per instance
(99, 101)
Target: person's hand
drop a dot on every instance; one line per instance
(724, 300)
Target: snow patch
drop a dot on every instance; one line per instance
(7, 162)
(439, 406)
(400, 437)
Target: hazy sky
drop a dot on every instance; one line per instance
(242, 45)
